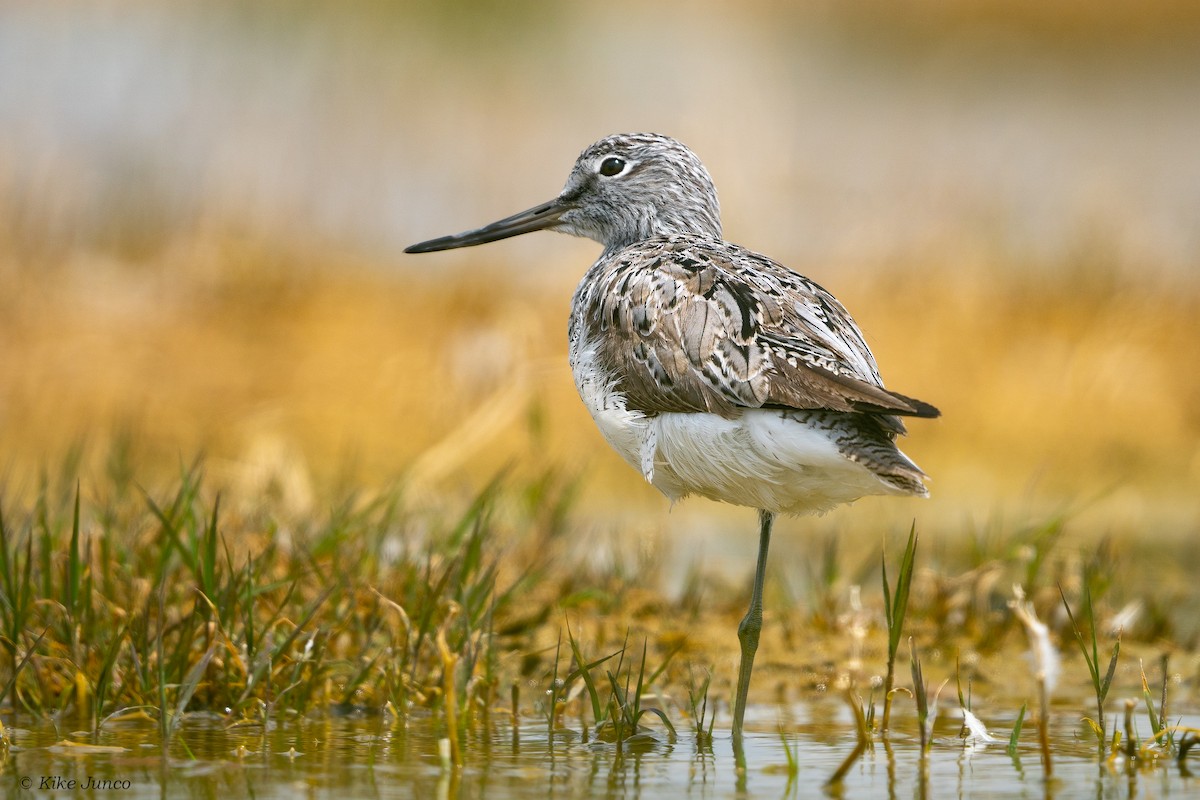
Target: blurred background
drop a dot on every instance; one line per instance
(203, 207)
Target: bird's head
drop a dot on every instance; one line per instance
(622, 189)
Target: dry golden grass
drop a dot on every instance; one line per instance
(306, 367)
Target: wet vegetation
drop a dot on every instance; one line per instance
(123, 602)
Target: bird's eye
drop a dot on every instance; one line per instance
(612, 166)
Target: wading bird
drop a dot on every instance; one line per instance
(710, 368)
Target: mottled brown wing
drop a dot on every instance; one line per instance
(687, 326)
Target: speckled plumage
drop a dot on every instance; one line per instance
(710, 368)
(692, 325)
(673, 320)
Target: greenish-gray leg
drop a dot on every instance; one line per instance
(749, 630)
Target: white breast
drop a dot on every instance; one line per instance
(759, 458)
(629, 432)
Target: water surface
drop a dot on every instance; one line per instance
(373, 755)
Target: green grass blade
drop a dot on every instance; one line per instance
(1089, 657)
(662, 715)
(1156, 724)
(71, 588)
(105, 673)
(585, 671)
(903, 585)
(12, 679)
(188, 688)
(1112, 669)
(887, 597)
(207, 557)
(1016, 731)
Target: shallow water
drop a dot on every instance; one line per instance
(375, 756)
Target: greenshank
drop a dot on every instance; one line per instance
(710, 368)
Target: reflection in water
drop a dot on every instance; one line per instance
(377, 756)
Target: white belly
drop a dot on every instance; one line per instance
(759, 458)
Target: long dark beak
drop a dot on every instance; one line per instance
(533, 219)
